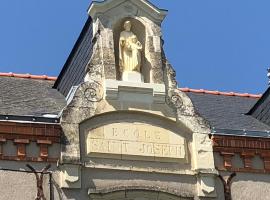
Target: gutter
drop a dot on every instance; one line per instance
(241, 133)
(29, 119)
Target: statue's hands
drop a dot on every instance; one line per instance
(129, 47)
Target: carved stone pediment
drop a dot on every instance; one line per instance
(98, 8)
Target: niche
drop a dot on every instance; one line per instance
(139, 30)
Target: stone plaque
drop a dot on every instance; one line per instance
(135, 141)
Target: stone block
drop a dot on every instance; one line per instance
(134, 77)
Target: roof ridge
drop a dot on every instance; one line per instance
(28, 76)
(213, 92)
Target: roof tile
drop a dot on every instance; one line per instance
(220, 93)
(29, 76)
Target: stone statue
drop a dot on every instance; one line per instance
(129, 50)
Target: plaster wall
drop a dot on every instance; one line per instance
(248, 186)
(245, 186)
(20, 185)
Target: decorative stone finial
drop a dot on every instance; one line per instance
(268, 75)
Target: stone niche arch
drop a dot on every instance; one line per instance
(139, 29)
(134, 193)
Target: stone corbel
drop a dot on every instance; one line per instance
(266, 160)
(227, 159)
(70, 176)
(43, 148)
(21, 147)
(206, 185)
(247, 157)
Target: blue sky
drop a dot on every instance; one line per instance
(218, 45)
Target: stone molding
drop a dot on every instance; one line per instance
(147, 189)
(96, 8)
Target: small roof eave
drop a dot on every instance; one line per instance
(241, 133)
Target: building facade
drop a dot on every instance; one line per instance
(115, 126)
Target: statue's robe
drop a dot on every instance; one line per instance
(129, 55)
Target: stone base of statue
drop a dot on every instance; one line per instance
(135, 77)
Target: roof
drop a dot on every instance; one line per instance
(227, 112)
(25, 95)
(29, 96)
(30, 76)
(202, 91)
(261, 110)
(74, 69)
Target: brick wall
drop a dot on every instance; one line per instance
(245, 149)
(22, 135)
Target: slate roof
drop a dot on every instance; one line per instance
(74, 69)
(261, 109)
(26, 96)
(29, 97)
(227, 112)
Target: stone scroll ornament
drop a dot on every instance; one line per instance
(174, 100)
(94, 93)
(227, 186)
(39, 179)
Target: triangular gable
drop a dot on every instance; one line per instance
(103, 6)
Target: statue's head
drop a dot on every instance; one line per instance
(134, 39)
(127, 25)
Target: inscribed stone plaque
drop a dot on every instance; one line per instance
(136, 141)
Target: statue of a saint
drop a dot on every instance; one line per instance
(129, 50)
